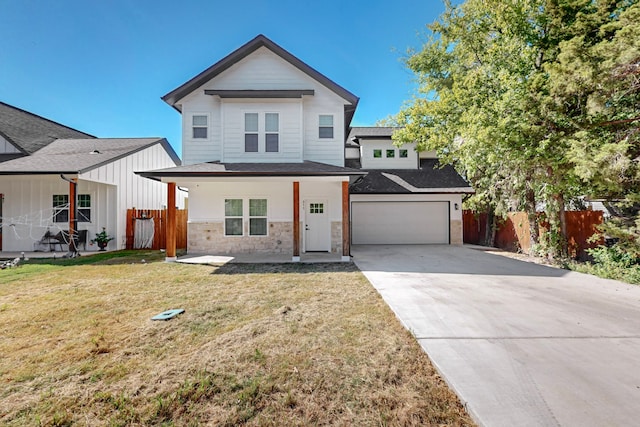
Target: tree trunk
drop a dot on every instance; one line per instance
(530, 206)
(490, 229)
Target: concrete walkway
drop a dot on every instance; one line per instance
(521, 344)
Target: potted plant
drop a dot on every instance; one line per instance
(102, 239)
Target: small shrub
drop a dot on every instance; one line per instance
(613, 262)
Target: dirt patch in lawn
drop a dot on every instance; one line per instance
(258, 344)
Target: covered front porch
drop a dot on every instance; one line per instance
(268, 211)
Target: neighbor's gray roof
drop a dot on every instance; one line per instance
(430, 178)
(73, 156)
(30, 132)
(217, 169)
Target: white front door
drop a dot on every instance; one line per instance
(317, 236)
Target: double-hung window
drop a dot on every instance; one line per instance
(84, 208)
(271, 135)
(200, 125)
(261, 132)
(235, 215)
(257, 217)
(325, 126)
(61, 208)
(251, 132)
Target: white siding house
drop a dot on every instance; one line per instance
(41, 157)
(263, 149)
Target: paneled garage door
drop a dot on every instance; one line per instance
(399, 223)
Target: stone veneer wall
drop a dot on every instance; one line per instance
(336, 237)
(209, 237)
(456, 232)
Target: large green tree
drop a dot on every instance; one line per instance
(493, 99)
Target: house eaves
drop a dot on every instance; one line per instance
(236, 56)
(78, 156)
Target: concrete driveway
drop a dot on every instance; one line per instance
(521, 344)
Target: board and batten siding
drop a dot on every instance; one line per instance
(28, 209)
(135, 191)
(263, 70)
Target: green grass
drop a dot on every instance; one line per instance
(259, 344)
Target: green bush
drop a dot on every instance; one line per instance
(615, 263)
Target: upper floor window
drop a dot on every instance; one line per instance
(271, 128)
(251, 132)
(261, 135)
(325, 126)
(200, 126)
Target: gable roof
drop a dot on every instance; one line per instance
(73, 156)
(430, 178)
(29, 132)
(248, 48)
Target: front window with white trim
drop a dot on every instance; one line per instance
(325, 126)
(235, 216)
(257, 217)
(200, 126)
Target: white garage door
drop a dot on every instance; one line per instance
(399, 223)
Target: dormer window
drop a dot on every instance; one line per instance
(200, 126)
(325, 126)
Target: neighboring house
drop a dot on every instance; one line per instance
(40, 157)
(264, 161)
(406, 197)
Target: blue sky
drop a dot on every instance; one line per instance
(102, 66)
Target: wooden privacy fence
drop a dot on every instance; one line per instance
(159, 221)
(513, 234)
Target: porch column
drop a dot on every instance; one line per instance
(170, 230)
(346, 235)
(296, 222)
(73, 185)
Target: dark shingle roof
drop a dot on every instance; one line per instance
(79, 155)
(430, 178)
(30, 132)
(212, 169)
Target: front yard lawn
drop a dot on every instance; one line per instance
(258, 344)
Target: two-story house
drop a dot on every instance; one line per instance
(263, 138)
(263, 155)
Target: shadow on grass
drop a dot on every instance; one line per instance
(104, 258)
(300, 268)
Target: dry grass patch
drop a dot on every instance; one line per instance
(287, 344)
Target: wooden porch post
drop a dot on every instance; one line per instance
(346, 237)
(170, 231)
(296, 221)
(73, 184)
